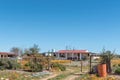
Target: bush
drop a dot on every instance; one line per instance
(4, 64)
(119, 65)
(60, 66)
(13, 64)
(2, 67)
(9, 64)
(117, 71)
(55, 64)
(115, 68)
(34, 66)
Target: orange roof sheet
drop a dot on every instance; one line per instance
(7, 53)
(73, 51)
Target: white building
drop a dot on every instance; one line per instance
(7, 55)
(71, 54)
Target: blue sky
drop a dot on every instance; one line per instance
(81, 24)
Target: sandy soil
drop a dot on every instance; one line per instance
(52, 75)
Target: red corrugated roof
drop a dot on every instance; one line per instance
(73, 51)
(8, 53)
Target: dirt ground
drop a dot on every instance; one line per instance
(54, 74)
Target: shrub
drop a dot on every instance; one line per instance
(13, 64)
(35, 66)
(115, 68)
(9, 64)
(2, 67)
(4, 64)
(55, 64)
(119, 65)
(117, 71)
(60, 66)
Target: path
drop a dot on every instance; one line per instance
(52, 75)
(73, 70)
(74, 76)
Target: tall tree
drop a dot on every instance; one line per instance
(16, 50)
(27, 52)
(35, 49)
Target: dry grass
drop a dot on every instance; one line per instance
(115, 61)
(61, 61)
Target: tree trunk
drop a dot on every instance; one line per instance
(107, 64)
(110, 66)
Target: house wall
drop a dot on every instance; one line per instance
(6, 56)
(72, 56)
(3, 56)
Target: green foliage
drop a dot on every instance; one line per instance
(106, 55)
(3, 64)
(117, 71)
(36, 60)
(35, 66)
(13, 64)
(60, 66)
(116, 68)
(9, 64)
(35, 49)
(32, 51)
(119, 65)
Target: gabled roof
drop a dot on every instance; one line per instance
(7, 53)
(72, 51)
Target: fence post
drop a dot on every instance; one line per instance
(81, 65)
(90, 64)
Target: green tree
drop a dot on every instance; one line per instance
(106, 57)
(35, 49)
(35, 65)
(17, 51)
(36, 60)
